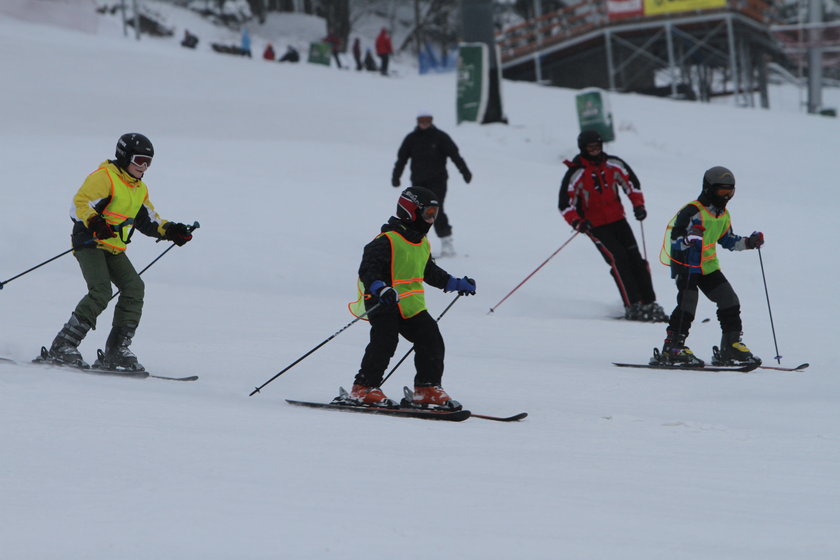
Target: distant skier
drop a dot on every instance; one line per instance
(589, 201)
(111, 203)
(428, 147)
(689, 249)
(384, 49)
(394, 267)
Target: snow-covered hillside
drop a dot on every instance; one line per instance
(287, 169)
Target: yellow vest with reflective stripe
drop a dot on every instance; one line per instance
(408, 266)
(126, 201)
(714, 227)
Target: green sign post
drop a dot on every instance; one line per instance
(594, 113)
(472, 82)
(319, 53)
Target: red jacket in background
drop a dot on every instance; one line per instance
(383, 43)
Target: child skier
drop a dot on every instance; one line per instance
(690, 250)
(394, 266)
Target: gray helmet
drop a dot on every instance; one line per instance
(717, 176)
(714, 178)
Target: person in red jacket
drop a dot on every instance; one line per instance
(384, 50)
(268, 53)
(590, 203)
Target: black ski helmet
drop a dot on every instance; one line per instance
(130, 144)
(413, 201)
(589, 137)
(715, 178)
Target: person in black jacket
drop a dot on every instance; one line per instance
(394, 267)
(429, 147)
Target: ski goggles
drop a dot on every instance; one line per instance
(430, 213)
(424, 120)
(141, 161)
(724, 191)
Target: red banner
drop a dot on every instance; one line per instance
(620, 9)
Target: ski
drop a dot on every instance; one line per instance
(800, 367)
(514, 418)
(45, 360)
(741, 369)
(7, 360)
(450, 415)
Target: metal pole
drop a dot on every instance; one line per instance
(814, 58)
(733, 62)
(136, 20)
(610, 64)
(671, 65)
(125, 23)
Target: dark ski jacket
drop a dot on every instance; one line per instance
(376, 258)
(428, 150)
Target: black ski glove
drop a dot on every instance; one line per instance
(100, 228)
(582, 226)
(177, 233)
(640, 212)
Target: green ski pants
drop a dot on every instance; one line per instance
(101, 268)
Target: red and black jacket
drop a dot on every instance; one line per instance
(590, 188)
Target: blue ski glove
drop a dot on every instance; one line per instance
(384, 293)
(464, 286)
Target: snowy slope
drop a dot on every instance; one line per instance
(287, 170)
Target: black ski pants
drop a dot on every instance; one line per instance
(421, 330)
(437, 186)
(717, 288)
(631, 272)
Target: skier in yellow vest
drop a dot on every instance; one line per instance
(394, 267)
(689, 249)
(111, 203)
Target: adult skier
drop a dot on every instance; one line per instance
(689, 249)
(111, 204)
(394, 267)
(589, 201)
(428, 147)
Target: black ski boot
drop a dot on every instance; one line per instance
(675, 352)
(64, 349)
(117, 356)
(653, 312)
(733, 352)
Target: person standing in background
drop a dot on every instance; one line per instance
(384, 49)
(428, 148)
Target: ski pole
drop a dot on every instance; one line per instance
(778, 358)
(195, 226)
(492, 309)
(644, 243)
(296, 362)
(36, 266)
(410, 350)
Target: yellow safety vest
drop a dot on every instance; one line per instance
(408, 266)
(126, 201)
(714, 227)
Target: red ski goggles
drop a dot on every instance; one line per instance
(430, 213)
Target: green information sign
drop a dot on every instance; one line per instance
(594, 113)
(319, 53)
(472, 82)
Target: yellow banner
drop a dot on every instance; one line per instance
(659, 7)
